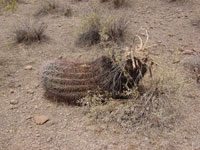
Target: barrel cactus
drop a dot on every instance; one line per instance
(71, 81)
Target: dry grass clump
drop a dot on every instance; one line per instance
(51, 7)
(94, 29)
(154, 103)
(116, 3)
(29, 32)
(114, 29)
(119, 3)
(88, 31)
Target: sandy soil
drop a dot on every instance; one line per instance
(171, 26)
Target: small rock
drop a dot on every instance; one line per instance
(180, 39)
(14, 102)
(40, 120)
(60, 57)
(28, 67)
(195, 24)
(37, 85)
(12, 91)
(188, 52)
(49, 139)
(30, 92)
(29, 117)
(13, 107)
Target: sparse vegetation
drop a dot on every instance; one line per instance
(88, 31)
(8, 4)
(51, 7)
(114, 29)
(29, 32)
(116, 3)
(119, 3)
(94, 28)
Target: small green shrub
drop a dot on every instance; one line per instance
(8, 4)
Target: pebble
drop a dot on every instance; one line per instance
(14, 102)
(60, 57)
(30, 92)
(13, 107)
(40, 119)
(28, 67)
(12, 91)
(49, 139)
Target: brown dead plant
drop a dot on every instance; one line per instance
(153, 103)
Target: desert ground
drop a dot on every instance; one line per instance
(174, 35)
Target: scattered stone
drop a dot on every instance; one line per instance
(14, 107)
(29, 117)
(37, 85)
(175, 61)
(14, 102)
(49, 139)
(180, 39)
(30, 92)
(12, 91)
(28, 67)
(40, 120)
(60, 57)
(188, 52)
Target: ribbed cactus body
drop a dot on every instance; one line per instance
(72, 81)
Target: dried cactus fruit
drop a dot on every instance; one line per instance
(71, 81)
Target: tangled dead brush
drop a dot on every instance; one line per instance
(154, 103)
